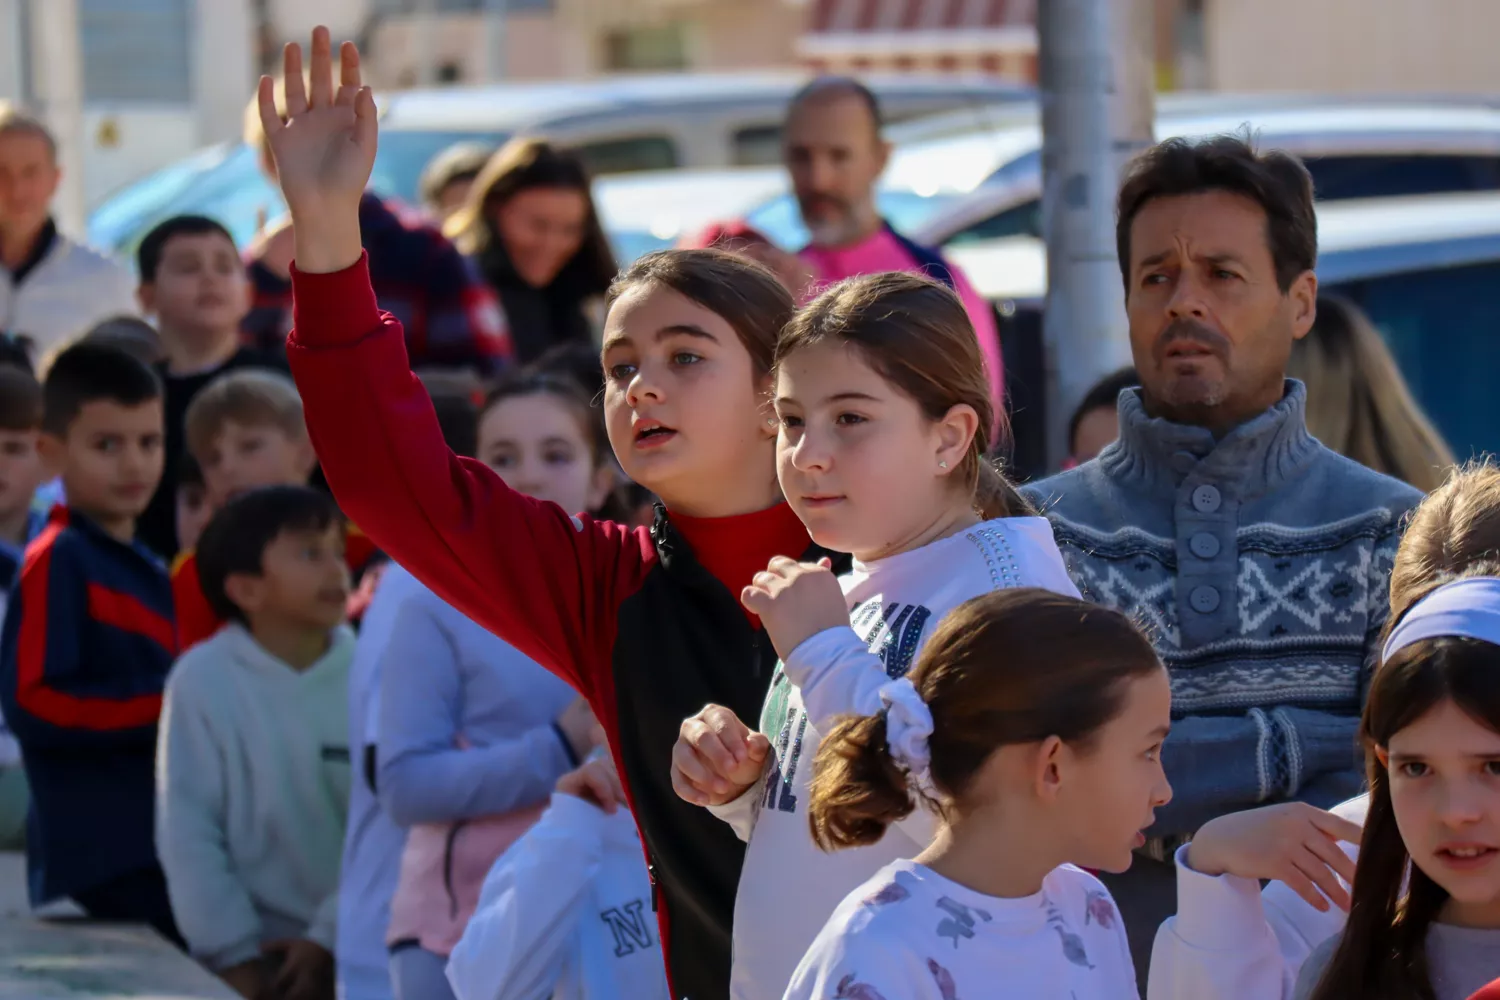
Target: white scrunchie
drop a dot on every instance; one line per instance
(908, 725)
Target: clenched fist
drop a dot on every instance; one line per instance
(717, 757)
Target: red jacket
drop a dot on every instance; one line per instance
(646, 624)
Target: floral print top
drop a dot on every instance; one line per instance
(910, 934)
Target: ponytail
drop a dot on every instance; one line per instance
(994, 496)
(857, 788)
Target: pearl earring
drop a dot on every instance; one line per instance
(770, 421)
(942, 465)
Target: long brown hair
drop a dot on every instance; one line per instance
(1357, 402)
(1455, 529)
(1013, 666)
(916, 335)
(745, 294)
(523, 165)
(1383, 952)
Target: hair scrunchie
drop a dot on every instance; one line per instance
(908, 726)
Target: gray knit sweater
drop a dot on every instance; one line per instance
(1259, 565)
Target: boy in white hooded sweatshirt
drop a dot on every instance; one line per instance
(253, 757)
(885, 413)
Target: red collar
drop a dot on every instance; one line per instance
(735, 548)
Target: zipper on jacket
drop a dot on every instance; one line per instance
(655, 888)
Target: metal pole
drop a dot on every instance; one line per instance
(57, 85)
(1097, 109)
(494, 41)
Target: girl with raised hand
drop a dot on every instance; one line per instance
(885, 414)
(1231, 940)
(1424, 915)
(1032, 726)
(645, 624)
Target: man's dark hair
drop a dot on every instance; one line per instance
(154, 245)
(1276, 181)
(1103, 393)
(235, 540)
(88, 372)
(20, 400)
(822, 87)
(16, 350)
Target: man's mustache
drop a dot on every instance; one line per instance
(1180, 330)
(812, 201)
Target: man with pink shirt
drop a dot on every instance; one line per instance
(835, 153)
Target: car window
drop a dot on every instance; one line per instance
(404, 153)
(1440, 325)
(621, 156)
(756, 146)
(1024, 219)
(1340, 177)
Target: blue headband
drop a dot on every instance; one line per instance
(1464, 609)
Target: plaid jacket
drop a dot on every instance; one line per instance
(451, 316)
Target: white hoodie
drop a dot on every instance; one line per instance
(788, 887)
(564, 914)
(1231, 941)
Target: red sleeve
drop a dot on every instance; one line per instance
(1490, 992)
(358, 549)
(196, 620)
(547, 583)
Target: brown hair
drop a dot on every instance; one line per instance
(916, 334)
(1357, 402)
(1382, 954)
(1454, 530)
(744, 293)
(1013, 666)
(251, 397)
(20, 400)
(1276, 181)
(524, 165)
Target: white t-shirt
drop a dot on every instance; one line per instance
(910, 934)
(788, 886)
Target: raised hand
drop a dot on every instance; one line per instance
(1292, 842)
(795, 601)
(323, 151)
(717, 757)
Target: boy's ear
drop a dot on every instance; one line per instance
(145, 294)
(307, 459)
(244, 591)
(53, 451)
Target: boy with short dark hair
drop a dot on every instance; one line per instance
(87, 643)
(253, 786)
(245, 431)
(194, 284)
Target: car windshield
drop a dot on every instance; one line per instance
(225, 182)
(905, 210)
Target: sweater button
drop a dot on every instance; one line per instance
(1206, 499)
(1204, 599)
(1203, 545)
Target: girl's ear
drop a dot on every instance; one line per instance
(769, 424)
(606, 478)
(1048, 763)
(1384, 756)
(955, 433)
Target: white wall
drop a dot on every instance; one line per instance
(1389, 46)
(224, 72)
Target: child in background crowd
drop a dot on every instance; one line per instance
(245, 431)
(885, 416)
(1424, 916)
(193, 283)
(21, 474)
(646, 625)
(373, 842)
(87, 643)
(1232, 941)
(193, 510)
(565, 913)
(253, 768)
(1033, 725)
(472, 735)
(131, 334)
(1096, 422)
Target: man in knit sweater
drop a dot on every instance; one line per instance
(1256, 558)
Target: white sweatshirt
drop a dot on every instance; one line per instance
(788, 887)
(252, 789)
(1231, 941)
(564, 914)
(910, 934)
(70, 290)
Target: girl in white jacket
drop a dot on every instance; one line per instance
(885, 416)
(566, 912)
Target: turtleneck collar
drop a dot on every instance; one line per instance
(1253, 459)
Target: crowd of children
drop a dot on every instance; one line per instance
(839, 690)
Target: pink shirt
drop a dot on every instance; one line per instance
(883, 252)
